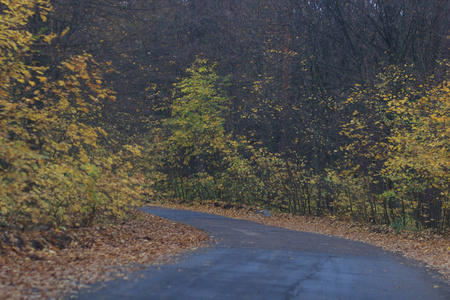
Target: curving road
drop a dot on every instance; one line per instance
(254, 261)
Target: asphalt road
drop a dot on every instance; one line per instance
(254, 261)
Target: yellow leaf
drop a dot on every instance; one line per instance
(65, 31)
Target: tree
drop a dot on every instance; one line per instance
(53, 170)
(198, 119)
(419, 156)
(398, 146)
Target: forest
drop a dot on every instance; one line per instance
(312, 107)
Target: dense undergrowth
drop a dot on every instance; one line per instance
(395, 169)
(58, 167)
(62, 165)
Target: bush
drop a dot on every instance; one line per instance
(53, 170)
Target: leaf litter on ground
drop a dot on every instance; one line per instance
(60, 263)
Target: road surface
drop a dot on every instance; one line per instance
(254, 261)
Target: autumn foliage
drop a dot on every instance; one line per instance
(397, 154)
(55, 166)
(394, 171)
(314, 113)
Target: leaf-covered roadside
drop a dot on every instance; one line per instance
(56, 264)
(424, 246)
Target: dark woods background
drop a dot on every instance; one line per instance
(307, 127)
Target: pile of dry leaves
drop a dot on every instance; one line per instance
(424, 246)
(56, 263)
